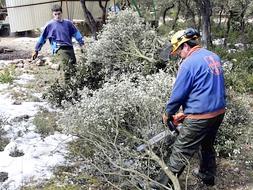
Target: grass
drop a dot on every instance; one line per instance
(66, 178)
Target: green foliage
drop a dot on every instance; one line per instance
(53, 186)
(45, 123)
(125, 45)
(59, 92)
(66, 178)
(235, 124)
(7, 75)
(239, 76)
(78, 148)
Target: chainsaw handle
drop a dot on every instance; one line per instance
(171, 125)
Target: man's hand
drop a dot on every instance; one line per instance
(179, 118)
(34, 55)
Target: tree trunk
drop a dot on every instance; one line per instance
(165, 12)
(206, 12)
(220, 16)
(242, 21)
(228, 27)
(177, 14)
(89, 19)
(125, 4)
(103, 10)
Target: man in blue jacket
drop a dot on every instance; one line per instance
(60, 31)
(200, 91)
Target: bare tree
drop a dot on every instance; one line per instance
(165, 12)
(89, 19)
(177, 15)
(103, 7)
(190, 11)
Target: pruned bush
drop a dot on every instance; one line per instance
(125, 45)
(112, 121)
(121, 104)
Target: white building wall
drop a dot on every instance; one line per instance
(36, 16)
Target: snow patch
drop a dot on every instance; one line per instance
(8, 109)
(24, 79)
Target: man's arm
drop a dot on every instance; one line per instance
(180, 91)
(41, 41)
(77, 35)
(79, 38)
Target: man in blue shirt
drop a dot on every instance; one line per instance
(60, 32)
(200, 91)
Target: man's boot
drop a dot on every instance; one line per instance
(164, 180)
(206, 179)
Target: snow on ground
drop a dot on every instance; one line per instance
(24, 78)
(39, 155)
(9, 110)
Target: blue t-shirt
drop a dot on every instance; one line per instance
(59, 33)
(199, 87)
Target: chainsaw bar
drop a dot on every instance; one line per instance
(155, 139)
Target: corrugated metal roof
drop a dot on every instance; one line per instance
(36, 16)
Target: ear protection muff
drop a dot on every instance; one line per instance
(191, 33)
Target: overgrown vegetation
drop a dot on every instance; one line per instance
(239, 65)
(7, 75)
(125, 45)
(236, 123)
(122, 100)
(112, 121)
(45, 123)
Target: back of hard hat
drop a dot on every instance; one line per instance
(183, 36)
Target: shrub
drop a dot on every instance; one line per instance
(45, 123)
(125, 45)
(235, 124)
(7, 75)
(239, 75)
(112, 121)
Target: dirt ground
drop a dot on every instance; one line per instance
(231, 175)
(20, 47)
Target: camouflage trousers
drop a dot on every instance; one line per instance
(196, 136)
(67, 59)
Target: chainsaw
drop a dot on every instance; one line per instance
(173, 128)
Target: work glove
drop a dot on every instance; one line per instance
(34, 55)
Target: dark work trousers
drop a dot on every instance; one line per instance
(66, 56)
(196, 135)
